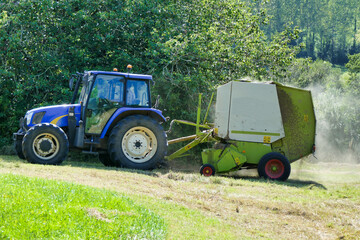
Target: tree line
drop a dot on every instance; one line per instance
(329, 28)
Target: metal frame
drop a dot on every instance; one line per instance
(199, 137)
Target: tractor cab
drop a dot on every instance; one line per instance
(103, 93)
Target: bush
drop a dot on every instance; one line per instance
(7, 150)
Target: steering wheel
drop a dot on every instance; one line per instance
(104, 102)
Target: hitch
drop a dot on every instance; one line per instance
(199, 137)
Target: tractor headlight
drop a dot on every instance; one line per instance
(38, 117)
(28, 118)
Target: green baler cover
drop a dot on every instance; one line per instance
(297, 111)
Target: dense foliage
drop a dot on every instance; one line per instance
(189, 46)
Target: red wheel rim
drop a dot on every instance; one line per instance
(274, 168)
(207, 171)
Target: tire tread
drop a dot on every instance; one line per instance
(32, 133)
(115, 151)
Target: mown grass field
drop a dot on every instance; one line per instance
(319, 201)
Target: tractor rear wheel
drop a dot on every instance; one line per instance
(45, 144)
(106, 160)
(274, 166)
(137, 142)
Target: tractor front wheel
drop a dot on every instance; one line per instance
(137, 142)
(18, 147)
(45, 144)
(274, 166)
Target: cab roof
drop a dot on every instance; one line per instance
(126, 75)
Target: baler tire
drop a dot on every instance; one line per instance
(105, 159)
(137, 142)
(45, 144)
(274, 166)
(207, 170)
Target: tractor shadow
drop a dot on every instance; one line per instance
(296, 183)
(94, 163)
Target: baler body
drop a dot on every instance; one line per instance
(255, 119)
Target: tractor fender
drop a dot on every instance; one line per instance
(125, 112)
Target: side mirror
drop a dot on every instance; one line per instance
(71, 83)
(157, 102)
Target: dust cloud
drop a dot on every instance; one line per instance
(337, 127)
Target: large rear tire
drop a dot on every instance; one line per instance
(106, 160)
(137, 142)
(45, 144)
(274, 166)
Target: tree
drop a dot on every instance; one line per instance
(353, 65)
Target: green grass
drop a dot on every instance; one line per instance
(34, 208)
(319, 201)
(187, 223)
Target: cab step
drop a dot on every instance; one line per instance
(89, 142)
(91, 153)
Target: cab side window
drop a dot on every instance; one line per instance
(137, 93)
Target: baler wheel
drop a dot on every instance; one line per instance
(207, 170)
(274, 166)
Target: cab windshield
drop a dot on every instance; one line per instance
(106, 96)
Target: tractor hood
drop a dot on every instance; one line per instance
(56, 114)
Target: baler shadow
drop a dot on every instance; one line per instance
(247, 175)
(302, 183)
(290, 182)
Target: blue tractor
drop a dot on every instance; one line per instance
(110, 115)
